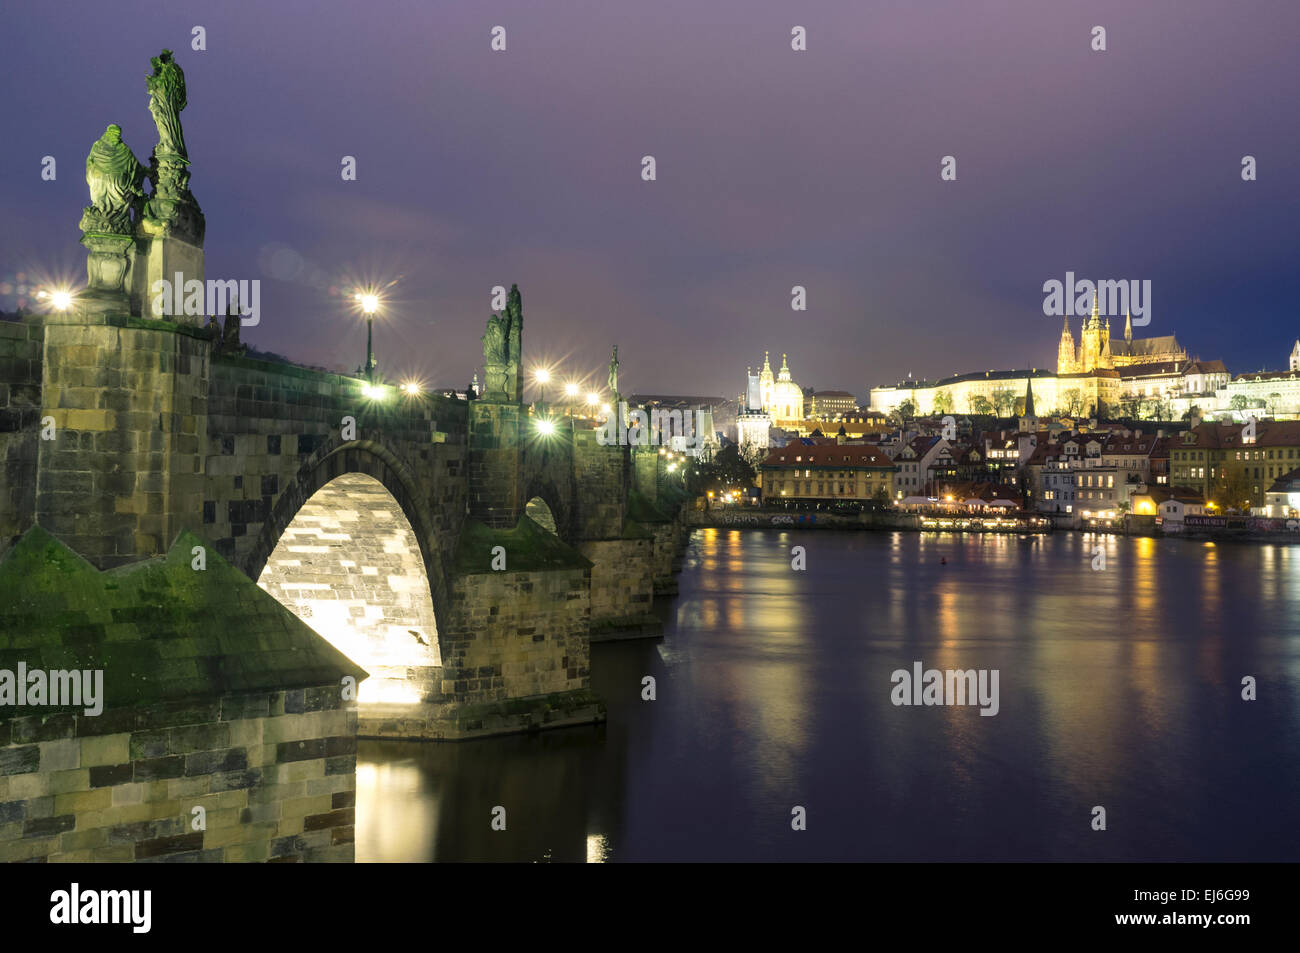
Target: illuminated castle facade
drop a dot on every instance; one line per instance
(1097, 351)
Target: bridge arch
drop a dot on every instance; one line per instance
(349, 548)
(542, 499)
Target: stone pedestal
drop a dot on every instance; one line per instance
(162, 254)
(108, 271)
(124, 473)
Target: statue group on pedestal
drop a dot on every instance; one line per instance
(502, 350)
(119, 209)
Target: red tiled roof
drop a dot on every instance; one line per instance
(1268, 433)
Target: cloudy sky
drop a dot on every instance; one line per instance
(774, 168)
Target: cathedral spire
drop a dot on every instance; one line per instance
(1128, 325)
(1095, 313)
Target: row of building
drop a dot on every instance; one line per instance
(1152, 378)
(1076, 473)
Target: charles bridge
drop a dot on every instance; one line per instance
(259, 562)
(119, 432)
(446, 546)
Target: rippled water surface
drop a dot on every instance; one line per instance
(1119, 688)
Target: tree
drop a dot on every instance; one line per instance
(881, 495)
(728, 470)
(943, 402)
(1239, 402)
(1004, 398)
(1232, 489)
(1273, 399)
(1073, 401)
(981, 405)
(907, 409)
(1192, 411)
(752, 454)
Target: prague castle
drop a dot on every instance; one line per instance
(1097, 351)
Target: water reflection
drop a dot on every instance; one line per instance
(1118, 687)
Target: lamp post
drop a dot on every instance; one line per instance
(369, 304)
(570, 391)
(543, 377)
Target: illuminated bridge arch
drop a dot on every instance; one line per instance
(349, 553)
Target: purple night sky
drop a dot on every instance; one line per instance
(775, 168)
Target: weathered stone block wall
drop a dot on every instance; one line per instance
(664, 557)
(494, 462)
(622, 579)
(21, 358)
(275, 437)
(124, 472)
(645, 469)
(515, 654)
(601, 484)
(516, 634)
(275, 773)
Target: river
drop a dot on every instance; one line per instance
(1119, 687)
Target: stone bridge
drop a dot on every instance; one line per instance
(460, 557)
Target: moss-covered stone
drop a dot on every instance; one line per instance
(160, 630)
(642, 510)
(529, 547)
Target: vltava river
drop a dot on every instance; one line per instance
(1118, 687)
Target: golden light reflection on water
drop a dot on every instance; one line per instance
(598, 848)
(768, 684)
(780, 676)
(406, 829)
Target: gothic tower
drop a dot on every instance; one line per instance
(1066, 358)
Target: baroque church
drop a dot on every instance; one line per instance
(781, 397)
(1096, 349)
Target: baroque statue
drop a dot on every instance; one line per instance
(115, 178)
(171, 208)
(495, 342)
(166, 100)
(502, 346)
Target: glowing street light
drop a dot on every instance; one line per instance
(60, 298)
(369, 304)
(571, 390)
(546, 427)
(543, 377)
(411, 388)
